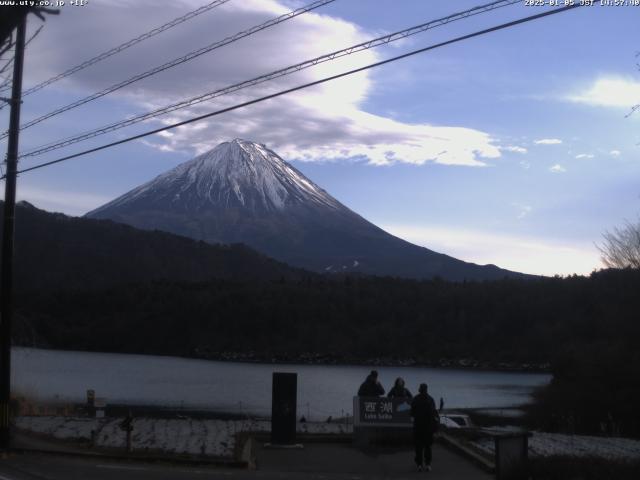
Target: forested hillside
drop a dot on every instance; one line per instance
(349, 318)
(55, 251)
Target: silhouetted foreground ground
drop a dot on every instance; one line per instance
(339, 459)
(329, 461)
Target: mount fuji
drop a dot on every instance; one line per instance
(242, 192)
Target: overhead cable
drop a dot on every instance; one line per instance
(306, 85)
(176, 61)
(125, 45)
(269, 76)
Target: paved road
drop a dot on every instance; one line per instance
(335, 459)
(315, 461)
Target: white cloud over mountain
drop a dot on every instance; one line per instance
(326, 122)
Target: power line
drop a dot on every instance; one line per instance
(8, 79)
(6, 65)
(125, 45)
(10, 62)
(34, 35)
(269, 76)
(177, 61)
(9, 44)
(306, 85)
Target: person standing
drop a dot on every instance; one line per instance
(425, 422)
(399, 390)
(371, 387)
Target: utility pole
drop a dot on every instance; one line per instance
(6, 275)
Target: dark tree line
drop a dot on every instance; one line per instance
(53, 250)
(358, 317)
(595, 390)
(587, 327)
(93, 285)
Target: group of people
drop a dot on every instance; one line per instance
(423, 411)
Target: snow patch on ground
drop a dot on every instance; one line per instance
(216, 438)
(550, 444)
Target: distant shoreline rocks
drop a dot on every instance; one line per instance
(334, 359)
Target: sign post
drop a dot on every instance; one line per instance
(381, 419)
(382, 412)
(91, 403)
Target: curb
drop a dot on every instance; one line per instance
(219, 462)
(309, 437)
(246, 456)
(466, 451)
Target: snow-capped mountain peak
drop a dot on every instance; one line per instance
(238, 173)
(243, 192)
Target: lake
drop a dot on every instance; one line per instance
(64, 376)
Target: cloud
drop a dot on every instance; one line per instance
(609, 91)
(326, 122)
(514, 148)
(584, 155)
(548, 141)
(557, 168)
(162, 147)
(518, 253)
(615, 153)
(523, 210)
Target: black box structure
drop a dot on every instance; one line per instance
(283, 408)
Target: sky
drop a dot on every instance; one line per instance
(515, 148)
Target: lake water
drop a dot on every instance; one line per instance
(64, 376)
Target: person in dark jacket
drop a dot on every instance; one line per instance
(425, 422)
(399, 390)
(371, 387)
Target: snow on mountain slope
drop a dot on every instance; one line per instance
(242, 192)
(236, 173)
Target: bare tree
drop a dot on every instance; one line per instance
(621, 247)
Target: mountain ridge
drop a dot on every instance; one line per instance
(243, 192)
(81, 253)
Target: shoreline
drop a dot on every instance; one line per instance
(330, 360)
(327, 359)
